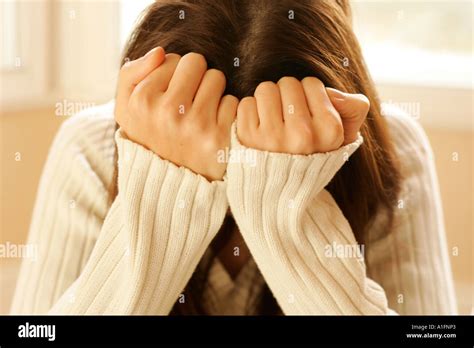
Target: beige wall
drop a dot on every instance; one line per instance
(457, 190)
(31, 133)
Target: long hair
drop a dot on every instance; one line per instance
(252, 41)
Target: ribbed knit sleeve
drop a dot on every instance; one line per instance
(300, 239)
(412, 262)
(147, 247)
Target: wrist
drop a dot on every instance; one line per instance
(282, 180)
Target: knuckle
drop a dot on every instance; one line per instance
(230, 100)
(312, 80)
(168, 106)
(216, 74)
(304, 140)
(197, 59)
(246, 106)
(311, 83)
(246, 102)
(172, 56)
(287, 80)
(264, 87)
(140, 101)
(335, 132)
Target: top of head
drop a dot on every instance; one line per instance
(252, 41)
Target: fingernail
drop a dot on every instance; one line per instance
(337, 93)
(151, 52)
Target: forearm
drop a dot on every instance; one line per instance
(288, 221)
(152, 239)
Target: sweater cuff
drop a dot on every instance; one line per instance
(135, 159)
(298, 177)
(160, 185)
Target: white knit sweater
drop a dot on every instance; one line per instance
(137, 255)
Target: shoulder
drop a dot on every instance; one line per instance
(416, 162)
(90, 132)
(410, 141)
(85, 143)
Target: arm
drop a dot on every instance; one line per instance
(293, 226)
(294, 241)
(412, 263)
(286, 217)
(165, 214)
(148, 246)
(288, 221)
(71, 204)
(153, 237)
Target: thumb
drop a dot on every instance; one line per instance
(353, 109)
(133, 72)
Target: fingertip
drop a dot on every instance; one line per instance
(349, 104)
(335, 94)
(153, 51)
(156, 55)
(133, 72)
(234, 101)
(231, 103)
(153, 58)
(247, 113)
(357, 102)
(227, 112)
(363, 99)
(161, 51)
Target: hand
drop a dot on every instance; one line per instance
(173, 106)
(299, 117)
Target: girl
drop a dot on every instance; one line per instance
(338, 213)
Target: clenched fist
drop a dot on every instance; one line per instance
(299, 117)
(173, 106)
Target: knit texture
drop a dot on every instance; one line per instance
(136, 255)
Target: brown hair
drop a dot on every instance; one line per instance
(252, 41)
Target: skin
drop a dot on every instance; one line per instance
(299, 117)
(174, 106)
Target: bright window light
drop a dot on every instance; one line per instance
(426, 43)
(130, 11)
(417, 42)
